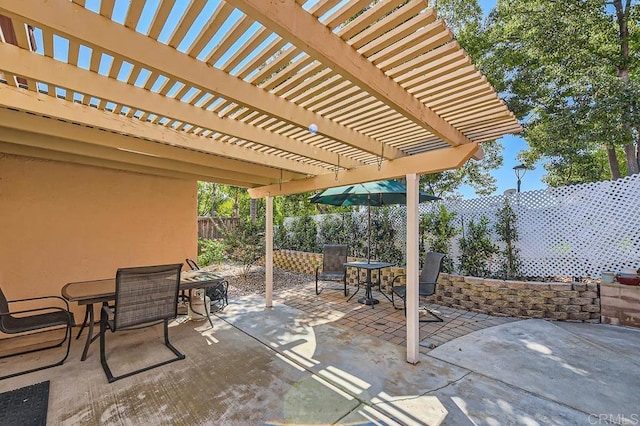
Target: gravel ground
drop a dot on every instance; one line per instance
(253, 282)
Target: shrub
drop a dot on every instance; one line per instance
(210, 252)
(436, 232)
(505, 226)
(334, 229)
(280, 238)
(383, 234)
(302, 235)
(344, 228)
(476, 249)
(244, 243)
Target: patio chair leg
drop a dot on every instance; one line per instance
(179, 354)
(437, 318)
(103, 359)
(68, 334)
(393, 301)
(356, 292)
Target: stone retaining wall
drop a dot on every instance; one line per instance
(570, 301)
(524, 299)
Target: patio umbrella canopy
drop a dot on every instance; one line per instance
(381, 193)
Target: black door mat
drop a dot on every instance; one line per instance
(25, 406)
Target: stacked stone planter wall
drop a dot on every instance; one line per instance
(524, 299)
(556, 301)
(306, 263)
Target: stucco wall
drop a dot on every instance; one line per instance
(61, 222)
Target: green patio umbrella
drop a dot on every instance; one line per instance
(381, 193)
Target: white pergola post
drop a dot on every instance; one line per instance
(413, 330)
(268, 260)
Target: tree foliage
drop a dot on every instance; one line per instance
(508, 233)
(303, 234)
(476, 173)
(244, 243)
(383, 237)
(569, 69)
(436, 232)
(465, 18)
(476, 248)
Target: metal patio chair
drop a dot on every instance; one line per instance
(145, 296)
(218, 294)
(426, 283)
(333, 259)
(35, 321)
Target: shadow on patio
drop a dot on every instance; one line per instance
(312, 364)
(384, 321)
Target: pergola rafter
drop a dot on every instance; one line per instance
(379, 82)
(279, 97)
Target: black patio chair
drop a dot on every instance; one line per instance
(426, 283)
(192, 264)
(333, 259)
(145, 296)
(218, 294)
(35, 321)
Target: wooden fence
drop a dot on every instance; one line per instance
(211, 228)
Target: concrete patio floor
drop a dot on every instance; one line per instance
(284, 366)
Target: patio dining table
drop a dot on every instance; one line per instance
(368, 267)
(104, 290)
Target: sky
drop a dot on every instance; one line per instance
(505, 175)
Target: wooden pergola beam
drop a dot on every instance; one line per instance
(78, 23)
(87, 140)
(47, 154)
(50, 71)
(74, 112)
(124, 157)
(429, 162)
(292, 22)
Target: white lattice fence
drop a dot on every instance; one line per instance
(577, 230)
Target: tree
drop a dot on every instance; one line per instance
(244, 243)
(475, 173)
(465, 18)
(508, 233)
(476, 249)
(437, 231)
(569, 69)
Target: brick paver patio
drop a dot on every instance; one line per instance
(384, 321)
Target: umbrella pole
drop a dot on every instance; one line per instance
(369, 229)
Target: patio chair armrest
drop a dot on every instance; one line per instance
(29, 299)
(107, 312)
(395, 278)
(46, 308)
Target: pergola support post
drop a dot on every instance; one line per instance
(413, 330)
(268, 261)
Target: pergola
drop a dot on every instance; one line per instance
(233, 92)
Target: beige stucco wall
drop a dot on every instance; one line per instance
(61, 222)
